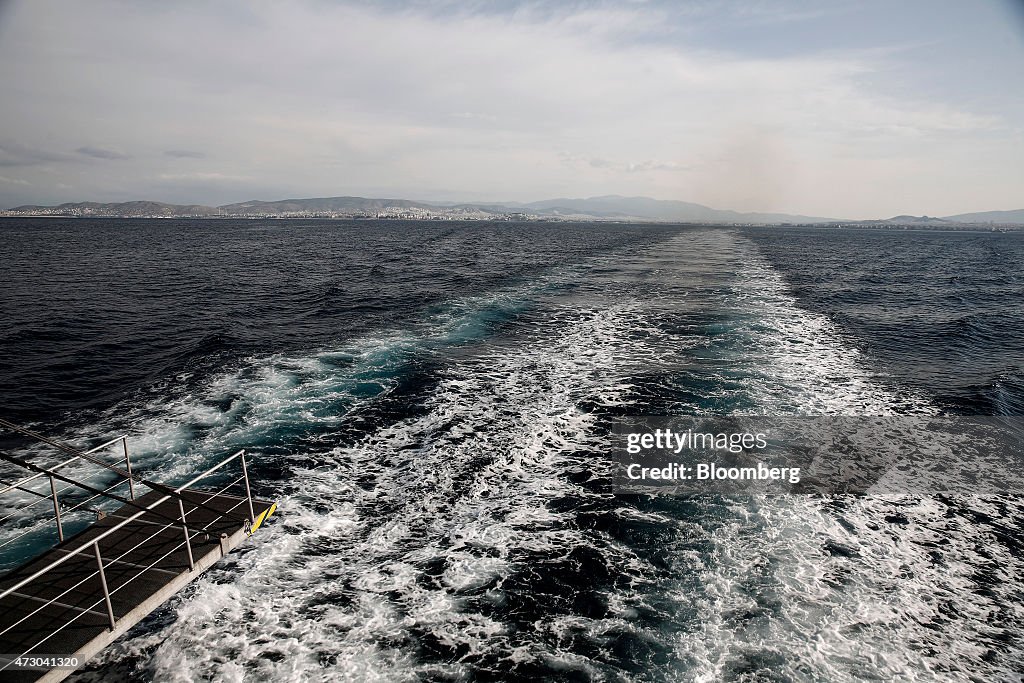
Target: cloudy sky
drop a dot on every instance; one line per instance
(831, 108)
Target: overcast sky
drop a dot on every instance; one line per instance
(844, 109)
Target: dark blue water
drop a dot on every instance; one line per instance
(940, 310)
(95, 310)
(429, 403)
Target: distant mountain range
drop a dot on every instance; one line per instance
(119, 209)
(999, 217)
(614, 206)
(609, 207)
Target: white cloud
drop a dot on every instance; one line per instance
(202, 175)
(309, 98)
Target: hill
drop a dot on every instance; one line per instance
(119, 209)
(615, 206)
(606, 207)
(996, 217)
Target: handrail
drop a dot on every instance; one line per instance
(99, 561)
(58, 466)
(96, 461)
(107, 592)
(95, 543)
(104, 445)
(82, 489)
(26, 485)
(37, 521)
(121, 524)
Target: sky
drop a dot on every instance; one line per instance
(835, 108)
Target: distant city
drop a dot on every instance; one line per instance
(605, 208)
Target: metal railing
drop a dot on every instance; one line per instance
(241, 510)
(52, 492)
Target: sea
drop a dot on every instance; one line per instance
(429, 403)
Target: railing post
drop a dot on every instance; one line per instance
(103, 582)
(128, 466)
(188, 541)
(248, 493)
(56, 510)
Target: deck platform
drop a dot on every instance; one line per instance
(64, 611)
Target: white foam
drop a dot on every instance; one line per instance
(826, 587)
(465, 486)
